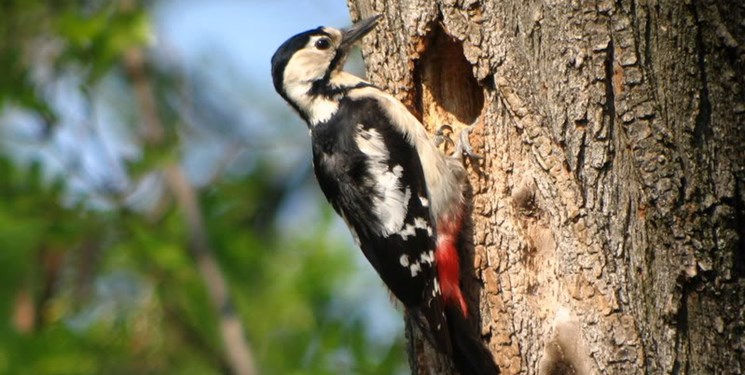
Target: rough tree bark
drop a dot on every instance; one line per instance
(608, 220)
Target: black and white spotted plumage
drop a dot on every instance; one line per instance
(400, 197)
(373, 178)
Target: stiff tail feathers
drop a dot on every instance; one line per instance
(470, 355)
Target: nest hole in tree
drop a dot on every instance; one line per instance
(447, 91)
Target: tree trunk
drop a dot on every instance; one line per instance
(608, 220)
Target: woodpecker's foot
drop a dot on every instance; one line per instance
(463, 146)
(443, 135)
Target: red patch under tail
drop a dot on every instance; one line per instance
(448, 264)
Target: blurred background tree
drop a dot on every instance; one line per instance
(160, 217)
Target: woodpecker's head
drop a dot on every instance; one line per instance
(304, 67)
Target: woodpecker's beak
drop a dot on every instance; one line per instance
(353, 33)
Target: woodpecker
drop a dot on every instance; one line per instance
(401, 198)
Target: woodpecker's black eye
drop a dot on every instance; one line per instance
(323, 44)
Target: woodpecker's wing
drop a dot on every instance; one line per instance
(373, 177)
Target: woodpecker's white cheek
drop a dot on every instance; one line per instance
(306, 66)
(302, 70)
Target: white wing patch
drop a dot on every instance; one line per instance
(404, 260)
(420, 223)
(416, 266)
(390, 199)
(407, 232)
(415, 269)
(428, 257)
(410, 229)
(439, 173)
(425, 201)
(370, 142)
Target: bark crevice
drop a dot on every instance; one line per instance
(702, 131)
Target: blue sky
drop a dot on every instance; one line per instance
(248, 32)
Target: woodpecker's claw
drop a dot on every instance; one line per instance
(440, 135)
(463, 146)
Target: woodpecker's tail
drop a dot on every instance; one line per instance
(470, 355)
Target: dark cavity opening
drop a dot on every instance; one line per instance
(446, 87)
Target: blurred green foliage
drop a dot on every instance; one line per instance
(110, 288)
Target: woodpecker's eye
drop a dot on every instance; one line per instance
(323, 44)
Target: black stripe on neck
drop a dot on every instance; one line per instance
(321, 87)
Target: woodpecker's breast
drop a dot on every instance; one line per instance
(370, 170)
(357, 161)
(372, 175)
